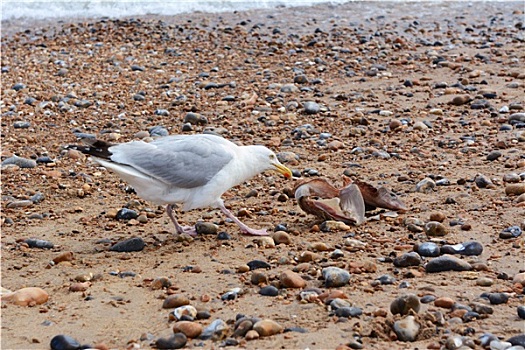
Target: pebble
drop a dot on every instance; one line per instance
(498, 298)
(175, 301)
(515, 189)
(269, 291)
(20, 204)
(126, 214)
(242, 326)
(258, 278)
(466, 248)
(348, 312)
(483, 182)
(264, 242)
(493, 155)
(176, 341)
(408, 259)
(447, 263)
(444, 302)
(519, 278)
(158, 131)
(510, 232)
(195, 119)
(517, 340)
(403, 304)
(135, 244)
(19, 161)
(184, 312)
(224, 236)
(311, 107)
(335, 277)
(435, 229)
(482, 309)
(425, 186)
(190, 329)
(407, 329)
(21, 125)
(281, 237)
(251, 335)
(484, 282)
(267, 327)
(39, 243)
(386, 279)
(290, 279)
(258, 264)
(218, 329)
(206, 228)
(64, 342)
(428, 249)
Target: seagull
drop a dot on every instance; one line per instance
(192, 170)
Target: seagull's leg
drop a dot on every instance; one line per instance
(244, 228)
(190, 230)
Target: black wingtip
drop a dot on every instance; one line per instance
(94, 147)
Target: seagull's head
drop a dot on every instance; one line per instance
(268, 159)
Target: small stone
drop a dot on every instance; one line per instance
(513, 189)
(407, 329)
(521, 312)
(403, 304)
(126, 214)
(258, 264)
(242, 327)
(264, 242)
(483, 182)
(484, 282)
(218, 329)
(428, 249)
(519, 278)
(175, 301)
(510, 232)
(21, 162)
(269, 291)
(517, 340)
(482, 309)
(281, 237)
(408, 259)
(311, 107)
(335, 277)
(290, 279)
(195, 119)
(493, 155)
(460, 100)
(158, 131)
(29, 296)
(160, 283)
(437, 216)
(435, 229)
(135, 244)
(444, 302)
(466, 248)
(425, 186)
(64, 342)
(386, 279)
(348, 312)
(39, 243)
(184, 312)
(267, 327)
(206, 228)
(498, 298)
(176, 341)
(258, 278)
(447, 263)
(251, 335)
(189, 328)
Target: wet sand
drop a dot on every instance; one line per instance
(425, 99)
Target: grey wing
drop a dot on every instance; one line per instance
(180, 162)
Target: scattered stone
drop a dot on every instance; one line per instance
(311, 107)
(269, 291)
(435, 229)
(176, 341)
(408, 259)
(206, 228)
(39, 243)
(64, 342)
(447, 263)
(444, 302)
(126, 214)
(135, 244)
(348, 312)
(281, 237)
(335, 277)
(428, 249)
(403, 304)
(407, 329)
(290, 279)
(425, 186)
(517, 340)
(521, 312)
(258, 264)
(266, 328)
(184, 312)
(498, 298)
(175, 301)
(19, 161)
(218, 329)
(189, 328)
(466, 248)
(29, 296)
(510, 232)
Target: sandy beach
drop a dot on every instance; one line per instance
(424, 99)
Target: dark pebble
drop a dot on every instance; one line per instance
(408, 259)
(176, 341)
(466, 248)
(134, 244)
(39, 243)
(223, 236)
(231, 295)
(18, 86)
(29, 101)
(447, 263)
(427, 299)
(203, 315)
(258, 264)
(521, 312)
(126, 214)
(139, 97)
(64, 342)
(295, 329)
(280, 227)
(510, 232)
(311, 107)
(428, 249)
(37, 198)
(498, 298)
(83, 103)
(493, 155)
(44, 160)
(403, 304)
(470, 316)
(21, 162)
(205, 228)
(162, 112)
(482, 309)
(195, 119)
(229, 342)
(348, 311)
(135, 67)
(386, 279)
(158, 131)
(517, 340)
(21, 125)
(269, 291)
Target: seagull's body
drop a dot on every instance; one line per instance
(192, 170)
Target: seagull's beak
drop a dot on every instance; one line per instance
(283, 170)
